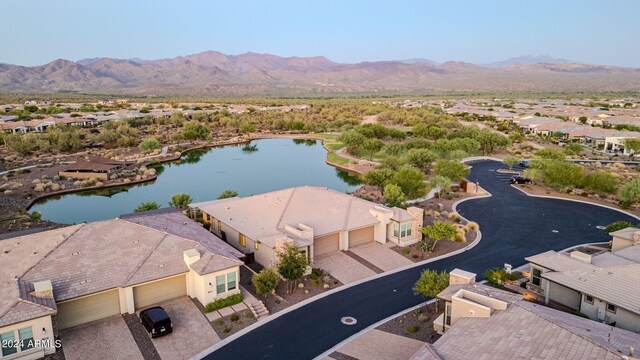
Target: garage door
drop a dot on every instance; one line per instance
(326, 244)
(87, 309)
(155, 292)
(357, 237)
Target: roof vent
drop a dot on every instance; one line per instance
(136, 241)
(75, 253)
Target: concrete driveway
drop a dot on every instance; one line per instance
(191, 334)
(342, 267)
(381, 256)
(108, 338)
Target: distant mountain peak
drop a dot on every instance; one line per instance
(527, 60)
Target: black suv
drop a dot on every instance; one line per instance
(520, 180)
(156, 321)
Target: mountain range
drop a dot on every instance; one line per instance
(215, 73)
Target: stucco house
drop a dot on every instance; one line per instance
(482, 322)
(316, 219)
(604, 286)
(65, 277)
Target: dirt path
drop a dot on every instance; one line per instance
(343, 153)
(371, 119)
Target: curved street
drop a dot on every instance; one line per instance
(513, 226)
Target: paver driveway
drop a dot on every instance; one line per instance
(342, 267)
(191, 334)
(380, 345)
(107, 338)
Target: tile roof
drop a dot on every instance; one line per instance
(618, 285)
(626, 233)
(88, 258)
(264, 216)
(530, 331)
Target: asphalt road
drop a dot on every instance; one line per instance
(513, 226)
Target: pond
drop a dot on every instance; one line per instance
(258, 167)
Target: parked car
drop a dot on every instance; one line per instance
(524, 163)
(156, 321)
(520, 180)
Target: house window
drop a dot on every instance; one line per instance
(405, 230)
(231, 281)
(26, 337)
(8, 343)
(588, 298)
(535, 276)
(243, 240)
(220, 286)
(447, 319)
(396, 229)
(255, 245)
(611, 308)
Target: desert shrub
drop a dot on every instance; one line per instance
(471, 226)
(497, 276)
(234, 317)
(412, 329)
(406, 251)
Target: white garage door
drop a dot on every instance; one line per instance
(88, 309)
(326, 244)
(361, 236)
(155, 292)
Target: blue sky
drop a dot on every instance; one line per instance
(604, 32)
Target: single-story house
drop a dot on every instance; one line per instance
(69, 276)
(603, 286)
(316, 219)
(97, 167)
(483, 322)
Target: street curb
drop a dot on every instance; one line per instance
(575, 200)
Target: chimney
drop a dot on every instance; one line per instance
(43, 289)
(457, 276)
(190, 256)
(579, 255)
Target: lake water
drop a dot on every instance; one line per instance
(262, 166)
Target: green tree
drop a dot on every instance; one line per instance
(372, 146)
(246, 127)
(601, 181)
(573, 149)
(439, 230)
(442, 183)
(617, 225)
(431, 283)
(497, 276)
(420, 158)
(491, 141)
(510, 161)
(35, 216)
(180, 201)
(393, 148)
(291, 264)
(633, 145)
(150, 144)
(393, 196)
(353, 140)
(629, 194)
(265, 281)
(193, 130)
(411, 181)
(378, 177)
(451, 169)
(146, 206)
(550, 154)
(227, 194)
